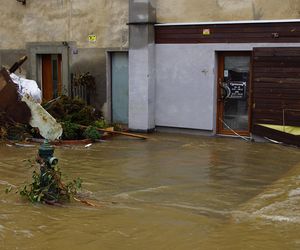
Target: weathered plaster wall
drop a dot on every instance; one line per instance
(53, 21)
(93, 60)
(224, 10)
(64, 20)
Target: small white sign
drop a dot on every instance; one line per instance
(226, 73)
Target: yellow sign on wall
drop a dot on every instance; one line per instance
(92, 38)
(206, 32)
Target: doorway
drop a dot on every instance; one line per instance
(233, 93)
(51, 76)
(119, 87)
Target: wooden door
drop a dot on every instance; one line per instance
(51, 76)
(233, 93)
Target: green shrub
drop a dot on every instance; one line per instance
(71, 131)
(92, 133)
(101, 123)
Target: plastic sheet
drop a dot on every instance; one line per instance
(26, 86)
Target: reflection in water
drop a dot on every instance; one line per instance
(170, 192)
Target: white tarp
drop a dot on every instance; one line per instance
(41, 119)
(26, 86)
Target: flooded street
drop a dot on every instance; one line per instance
(169, 192)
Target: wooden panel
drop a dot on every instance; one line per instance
(59, 85)
(13, 108)
(277, 135)
(47, 83)
(48, 73)
(276, 87)
(230, 33)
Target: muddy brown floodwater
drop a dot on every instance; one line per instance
(169, 192)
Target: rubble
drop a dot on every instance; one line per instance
(22, 115)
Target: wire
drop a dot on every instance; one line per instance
(227, 126)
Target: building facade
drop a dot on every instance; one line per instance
(221, 67)
(62, 38)
(197, 65)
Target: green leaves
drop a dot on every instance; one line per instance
(48, 187)
(92, 133)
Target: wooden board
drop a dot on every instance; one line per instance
(15, 110)
(229, 33)
(276, 87)
(47, 83)
(277, 135)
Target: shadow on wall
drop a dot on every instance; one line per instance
(92, 60)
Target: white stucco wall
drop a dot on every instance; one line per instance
(186, 76)
(184, 86)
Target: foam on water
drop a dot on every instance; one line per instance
(279, 202)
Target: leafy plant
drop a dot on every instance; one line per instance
(70, 131)
(101, 123)
(48, 187)
(92, 133)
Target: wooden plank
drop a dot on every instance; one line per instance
(270, 69)
(59, 76)
(119, 133)
(276, 80)
(232, 28)
(187, 40)
(281, 64)
(286, 59)
(295, 75)
(277, 101)
(222, 33)
(271, 90)
(276, 135)
(278, 52)
(276, 85)
(237, 35)
(13, 108)
(47, 83)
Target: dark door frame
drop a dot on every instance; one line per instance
(220, 109)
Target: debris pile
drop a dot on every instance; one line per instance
(22, 116)
(79, 120)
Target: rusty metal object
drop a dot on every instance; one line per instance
(10, 102)
(17, 64)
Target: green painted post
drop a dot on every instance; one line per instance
(47, 162)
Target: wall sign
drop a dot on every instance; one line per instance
(92, 38)
(226, 73)
(206, 32)
(237, 89)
